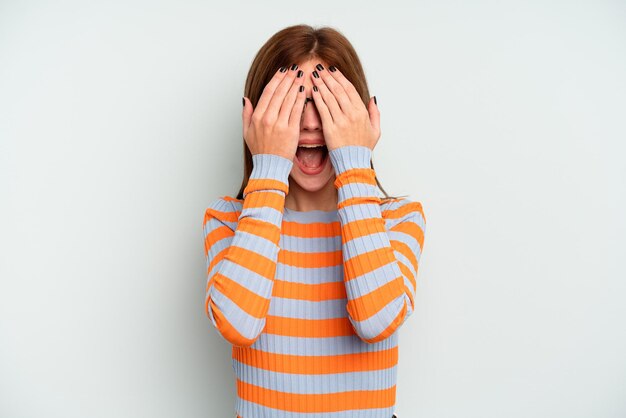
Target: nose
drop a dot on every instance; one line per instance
(310, 120)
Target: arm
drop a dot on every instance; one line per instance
(380, 254)
(242, 251)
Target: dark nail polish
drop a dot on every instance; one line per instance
(243, 101)
(282, 69)
(332, 68)
(315, 88)
(319, 67)
(375, 101)
(302, 89)
(300, 73)
(294, 67)
(315, 74)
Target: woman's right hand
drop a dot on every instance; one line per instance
(274, 126)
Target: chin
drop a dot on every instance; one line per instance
(311, 184)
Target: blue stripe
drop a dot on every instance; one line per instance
(248, 409)
(321, 346)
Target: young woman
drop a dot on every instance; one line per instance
(310, 273)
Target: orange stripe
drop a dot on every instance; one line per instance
(312, 230)
(214, 261)
(210, 282)
(341, 363)
(356, 175)
(406, 251)
(311, 292)
(260, 228)
(409, 275)
(362, 227)
(366, 262)
(310, 260)
(359, 200)
(252, 261)
(216, 235)
(371, 303)
(311, 328)
(317, 402)
(232, 199)
(412, 229)
(222, 216)
(403, 210)
(264, 184)
(265, 199)
(406, 272)
(410, 294)
(243, 297)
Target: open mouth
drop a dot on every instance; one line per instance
(312, 158)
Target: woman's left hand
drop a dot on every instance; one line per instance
(345, 120)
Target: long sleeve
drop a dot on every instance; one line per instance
(242, 251)
(381, 247)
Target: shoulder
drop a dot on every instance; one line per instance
(225, 210)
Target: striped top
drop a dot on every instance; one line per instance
(311, 301)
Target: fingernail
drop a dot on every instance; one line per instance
(375, 102)
(302, 89)
(315, 88)
(332, 68)
(315, 74)
(283, 69)
(300, 72)
(319, 67)
(243, 101)
(294, 67)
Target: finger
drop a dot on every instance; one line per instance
(246, 116)
(337, 89)
(268, 90)
(327, 96)
(298, 106)
(374, 113)
(349, 88)
(281, 91)
(322, 109)
(289, 102)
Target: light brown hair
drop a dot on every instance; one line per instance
(297, 44)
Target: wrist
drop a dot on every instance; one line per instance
(347, 157)
(271, 166)
(269, 172)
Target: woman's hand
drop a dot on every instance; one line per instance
(345, 120)
(274, 126)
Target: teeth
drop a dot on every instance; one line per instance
(311, 145)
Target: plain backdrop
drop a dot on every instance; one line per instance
(120, 121)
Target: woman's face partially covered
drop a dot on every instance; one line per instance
(312, 169)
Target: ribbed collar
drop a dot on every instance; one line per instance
(311, 215)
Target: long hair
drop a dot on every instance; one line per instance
(300, 43)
